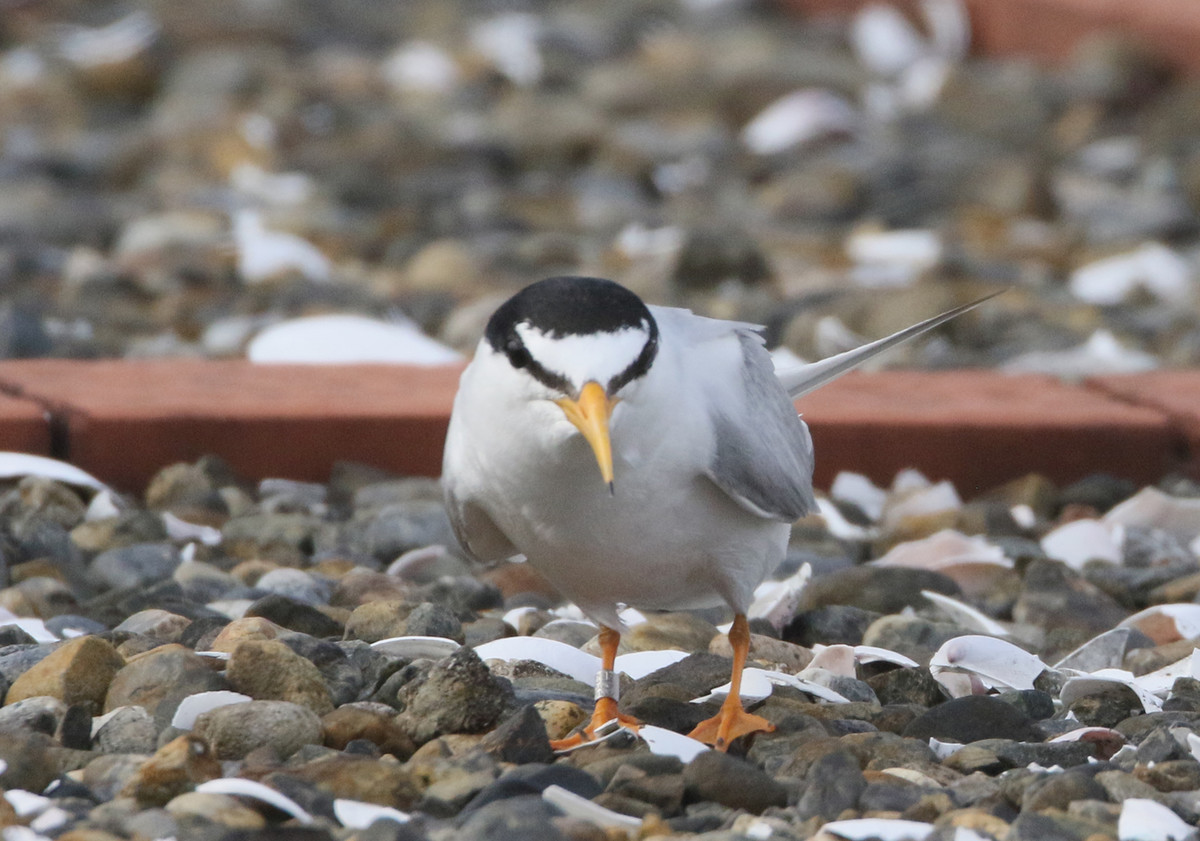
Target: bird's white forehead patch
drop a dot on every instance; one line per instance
(584, 357)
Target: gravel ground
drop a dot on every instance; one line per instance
(983, 670)
(1017, 666)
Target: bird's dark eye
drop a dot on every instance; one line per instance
(517, 355)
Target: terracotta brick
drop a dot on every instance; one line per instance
(981, 428)
(1176, 393)
(124, 420)
(1048, 30)
(24, 426)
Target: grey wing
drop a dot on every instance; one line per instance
(764, 453)
(478, 535)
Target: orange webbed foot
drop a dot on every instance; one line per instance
(605, 713)
(729, 724)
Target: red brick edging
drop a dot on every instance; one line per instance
(123, 421)
(1049, 30)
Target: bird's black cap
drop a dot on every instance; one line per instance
(564, 306)
(571, 306)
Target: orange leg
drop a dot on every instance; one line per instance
(733, 720)
(606, 703)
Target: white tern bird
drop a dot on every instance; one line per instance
(703, 461)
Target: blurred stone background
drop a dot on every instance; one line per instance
(177, 177)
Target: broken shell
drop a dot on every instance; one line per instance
(256, 791)
(638, 664)
(410, 648)
(994, 661)
(1103, 651)
(883, 829)
(1151, 508)
(965, 615)
(1165, 623)
(355, 814)
(1105, 679)
(1147, 820)
(24, 464)
(1080, 541)
(669, 743)
(971, 562)
(1107, 741)
(193, 706)
(575, 806)
(557, 655)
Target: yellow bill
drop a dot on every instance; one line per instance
(590, 414)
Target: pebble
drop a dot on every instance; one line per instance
(457, 695)
(269, 670)
(238, 729)
(76, 672)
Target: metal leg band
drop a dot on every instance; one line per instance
(608, 685)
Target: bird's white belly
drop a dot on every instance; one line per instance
(659, 541)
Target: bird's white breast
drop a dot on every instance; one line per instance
(666, 538)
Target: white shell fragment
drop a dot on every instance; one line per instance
(574, 806)
(1193, 746)
(1152, 267)
(919, 501)
(26, 803)
(355, 814)
(572, 661)
(104, 505)
(776, 601)
(1161, 680)
(875, 654)
(121, 40)
(1151, 508)
(883, 829)
(420, 67)
(249, 788)
(1165, 623)
(944, 750)
(410, 648)
(1079, 541)
(13, 465)
(1103, 651)
(1101, 353)
(263, 254)
(557, 655)
(178, 529)
(1106, 741)
(971, 562)
(757, 684)
(798, 118)
(1146, 820)
(193, 706)
(860, 491)
(347, 339)
(994, 661)
(509, 41)
(1103, 680)
(944, 548)
(916, 249)
(638, 664)
(965, 615)
(838, 525)
(669, 743)
(884, 41)
(36, 628)
(835, 659)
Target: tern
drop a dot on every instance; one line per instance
(635, 455)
